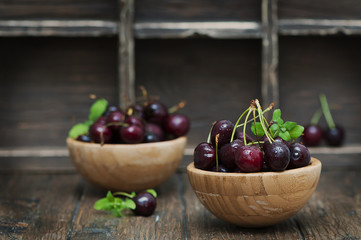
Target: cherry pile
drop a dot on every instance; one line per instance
(272, 148)
(145, 122)
(333, 134)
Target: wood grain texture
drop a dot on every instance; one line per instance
(199, 10)
(127, 167)
(313, 65)
(216, 78)
(255, 199)
(37, 206)
(45, 86)
(324, 9)
(59, 9)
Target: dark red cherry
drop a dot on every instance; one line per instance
(115, 117)
(335, 136)
(177, 124)
(312, 135)
(133, 120)
(110, 109)
(300, 156)
(145, 204)
(249, 158)
(135, 110)
(156, 129)
(224, 128)
(132, 134)
(277, 139)
(249, 139)
(102, 120)
(155, 112)
(277, 156)
(97, 129)
(227, 153)
(204, 156)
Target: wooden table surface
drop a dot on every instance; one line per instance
(59, 205)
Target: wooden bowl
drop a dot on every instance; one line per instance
(255, 199)
(127, 167)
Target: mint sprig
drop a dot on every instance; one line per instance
(118, 205)
(96, 110)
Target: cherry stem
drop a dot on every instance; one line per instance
(261, 118)
(217, 165)
(123, 194)
(326, 111)
(177, 107)
(266, 110)
(316, 117)
(210, 132)
(236, 125)
(244, 126)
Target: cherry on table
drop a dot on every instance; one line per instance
(277, 156)
(335, 136)
(312, 135)
(145, 204)
(249, 158)
(300, 156)
(204, 156)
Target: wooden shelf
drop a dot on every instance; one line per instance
(221, 30)
(62, 28)
(298, 27)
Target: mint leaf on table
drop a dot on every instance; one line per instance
(97, 109)
(257, 129)
(78, 129)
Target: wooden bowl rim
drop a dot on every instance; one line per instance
(314, 164)
(74, 142)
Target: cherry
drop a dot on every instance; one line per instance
(135, 110)
(177, 124)
(97, 130)
(249, 158)
(277, 156)
(156, 129)
(227, 153)
(335, 136)
(155, 112)
(300, 156)
(83, 138)
(132, 134)
(110, 109)
(312, 135)
(102, 120)
(204, 156)
(133, 120)
(224, 128)
(277, 139)
(249, 139)
(145, 204)
(115, 117)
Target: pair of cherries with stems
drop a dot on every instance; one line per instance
(238, 152)
(334, 134)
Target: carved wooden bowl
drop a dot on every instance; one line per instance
(255, 199)
(127, 167)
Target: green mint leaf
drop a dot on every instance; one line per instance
(78, 129)
(257, 129)
(289, 125)
(153, 192)
(133, 194)
(110, 197)
(285, 136)
(283, 129)
(296, 132)
(103, 204)
(276, 115)
(129, 203)
(117, 212)
(97, 109)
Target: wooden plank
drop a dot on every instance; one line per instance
(37, 206)
(220, 29)
(126, 54)
(270, 85)
(322, 27)
(65, 28)
(313, 65)
(165, 223)
(58, 9)
(322, 9)
(45, 85)
(198, 10)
